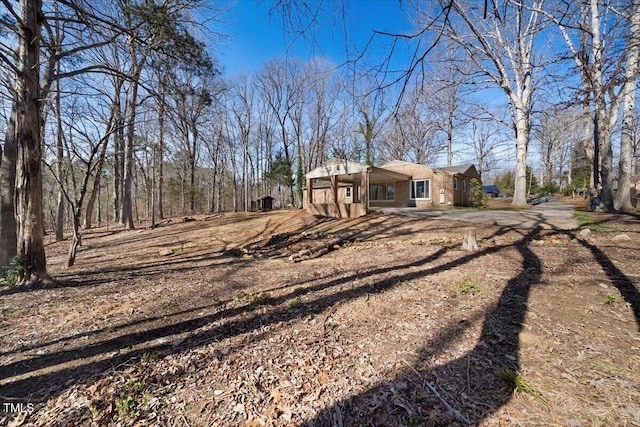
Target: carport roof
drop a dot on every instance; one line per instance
(350, 171)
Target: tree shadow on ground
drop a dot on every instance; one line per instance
(424, 393)
(39, 376)
(621, 281)
(459, 391)
(375, 227)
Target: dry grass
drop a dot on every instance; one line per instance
(225, 331)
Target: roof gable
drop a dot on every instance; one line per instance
(463, 169)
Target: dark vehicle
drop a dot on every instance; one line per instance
(537, 200)
(491, 190)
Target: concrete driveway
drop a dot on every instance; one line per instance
(549, 215)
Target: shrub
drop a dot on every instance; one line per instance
(9, 275)
(549, 188)
(478, 197)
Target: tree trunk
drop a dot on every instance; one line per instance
(450, 118)
(603, 130)
(111, 127)
(127, 207)
(192, 173)
(96, 184)
(587, 139)
(76, 239)
(522, 139)
(118, 166)
(161, 114)
(8, 237)
(623, 195)
(469, 241)
(59, 167)
(28, 184)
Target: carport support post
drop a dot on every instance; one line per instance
(309, 191)
(365, 191)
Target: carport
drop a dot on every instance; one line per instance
(339, 175)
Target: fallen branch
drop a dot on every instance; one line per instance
(158, 224)
(455, 412)
(319, 250)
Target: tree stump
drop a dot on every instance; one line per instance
(469, 242)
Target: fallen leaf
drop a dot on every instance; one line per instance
(253, 422)
(275, 395)
(323, 377)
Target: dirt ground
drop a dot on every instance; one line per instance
(285, 319)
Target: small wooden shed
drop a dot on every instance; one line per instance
(265, 203)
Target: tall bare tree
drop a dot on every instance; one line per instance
(623, 195)
(81, 158)
(38, 52)
(282, 94)
(191, 96)
(242, 114)
(501, 45)
(8, 226)
(28, 131)
(590, 30)
(412, 133)
(557, 133)
(488, 139)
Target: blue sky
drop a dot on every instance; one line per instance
(255, 37)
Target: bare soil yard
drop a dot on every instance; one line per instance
(284, 319)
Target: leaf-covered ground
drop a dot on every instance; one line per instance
(284, 319)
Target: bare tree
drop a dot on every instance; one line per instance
(191, 96)
(623, 195)
(28, 140)
(323, 89)
(368, 99)
(589, 30)
(80, 160)
(8, 226)
(113, 126)
(281, 93)
(501, 46)
(488, 140)
(556, 134)
(22, 55)
(447, 80)
(412, 132)
(242, 113)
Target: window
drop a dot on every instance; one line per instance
(464, 185)
(455, 183)
(347, 192)
(384, 192)
(421, 189)
(391, 192)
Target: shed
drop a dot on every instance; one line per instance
(265, 203)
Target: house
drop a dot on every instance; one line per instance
(343, 188)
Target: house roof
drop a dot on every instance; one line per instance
(462, 169)
(397, 163)
(337, 167)
(350, 171)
